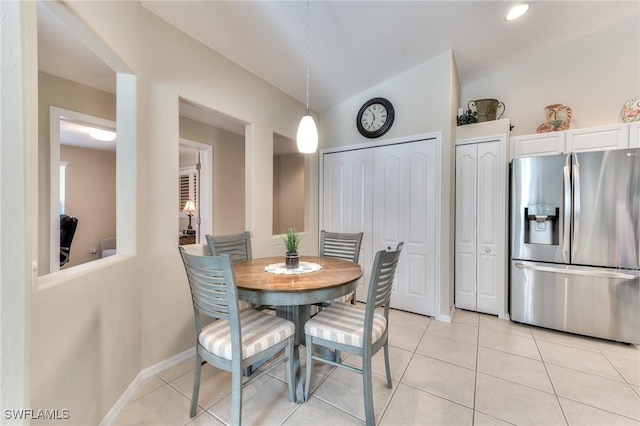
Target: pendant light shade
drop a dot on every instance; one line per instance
(517, 11)
(307, 137)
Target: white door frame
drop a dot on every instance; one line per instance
(205, 193)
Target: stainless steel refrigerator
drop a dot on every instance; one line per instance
(575, 253)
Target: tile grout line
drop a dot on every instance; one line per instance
(475, 378)
(413, 353)
(553, 386)
(538, 341)
(604, 354)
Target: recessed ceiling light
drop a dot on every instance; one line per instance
(102, 135)
(517, 11)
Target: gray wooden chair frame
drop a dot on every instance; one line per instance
(379, 294)
(214, 294)
(238, 246)
(343, 246)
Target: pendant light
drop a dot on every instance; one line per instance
(517, 11)
(307, 137)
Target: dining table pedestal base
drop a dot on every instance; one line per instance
(299, 315)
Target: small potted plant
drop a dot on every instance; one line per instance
(291, 242)
(468, 117)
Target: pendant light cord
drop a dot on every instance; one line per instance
(308, 25)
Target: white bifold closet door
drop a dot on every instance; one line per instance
(480, 222)
(389, 193)
(347, 202)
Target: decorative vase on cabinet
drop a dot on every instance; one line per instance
(558, 118)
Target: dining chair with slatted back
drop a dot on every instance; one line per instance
(238, 246)
(352, 329)
(237, 338)
(342, 246)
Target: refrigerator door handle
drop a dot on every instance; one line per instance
(576, 207)
(567, 208)
(589, 273)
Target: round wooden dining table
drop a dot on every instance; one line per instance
(292, 295)
(336, 278)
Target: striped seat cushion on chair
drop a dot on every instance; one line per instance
(259, 331)
(344, 323)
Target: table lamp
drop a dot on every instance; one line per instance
(189, 208)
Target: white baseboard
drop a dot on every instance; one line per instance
(168, 363)
(117, 408)
(447, 318)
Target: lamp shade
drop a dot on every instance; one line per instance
(307, 138)
(189, 207)
(517, 11)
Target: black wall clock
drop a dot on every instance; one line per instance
(375, 118)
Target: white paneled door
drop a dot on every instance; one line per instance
(390, 193)
(491, 224)
(480, 227)
(405, 209)
(347, 205)
(466, 219)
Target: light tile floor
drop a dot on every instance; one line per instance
(478, 370)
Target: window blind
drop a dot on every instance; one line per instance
(188, 183)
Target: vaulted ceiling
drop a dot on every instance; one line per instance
(353, 45)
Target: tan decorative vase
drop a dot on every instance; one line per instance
(487, 109)
(558, 118)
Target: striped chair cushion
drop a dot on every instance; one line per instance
(259, 331)
(344, 323)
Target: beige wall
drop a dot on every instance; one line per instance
(595, 76)
(228, 190)
(288, 193)
(91, 198)
(62, 93)
(91, 333)
(94, 329)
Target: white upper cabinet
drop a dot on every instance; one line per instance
(579, 140)
(598, 138)
(634, 135)
(538, 144)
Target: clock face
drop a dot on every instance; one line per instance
(375, 118)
